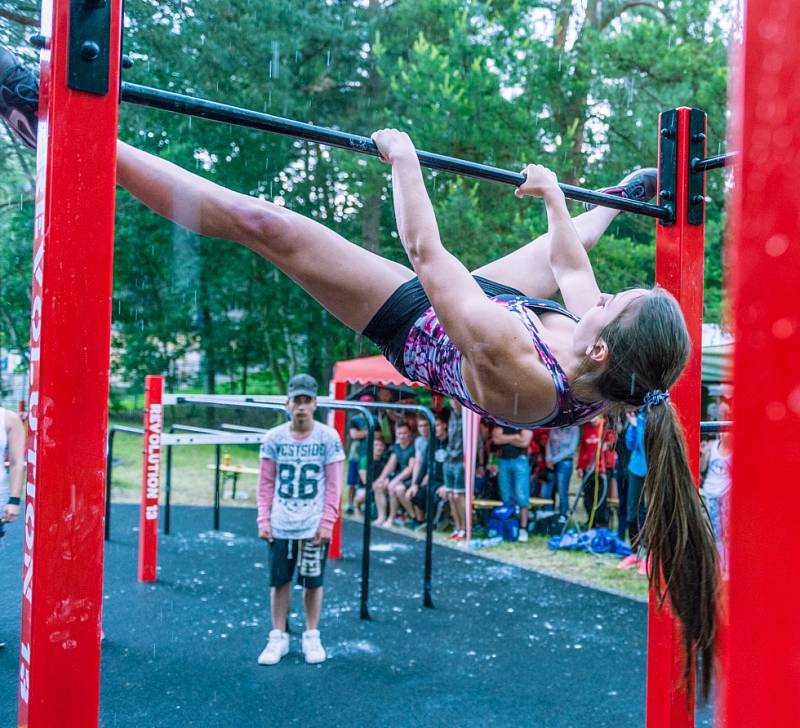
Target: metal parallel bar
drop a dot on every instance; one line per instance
(217, 458)
(275, 402)
(721, 160)
(168, 492)
(713, 427)
(242, 428)
(109, 472)
(110, 469)
(215, 111)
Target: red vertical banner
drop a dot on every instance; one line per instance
(339, 423)
(679, 269)
(151, 478)
(761, 685)
(62, 581)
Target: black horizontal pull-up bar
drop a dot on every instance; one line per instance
(721, 160)
(203, 108)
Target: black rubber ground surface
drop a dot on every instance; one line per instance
(503, 647)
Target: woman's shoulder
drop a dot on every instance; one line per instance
(518, 390)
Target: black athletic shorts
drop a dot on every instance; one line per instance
(389, 327)
(309, 559)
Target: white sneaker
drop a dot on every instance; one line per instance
(312, 647)
(277, 647)
(523, 535)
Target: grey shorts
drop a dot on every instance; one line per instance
(454, 477)
(285, 555)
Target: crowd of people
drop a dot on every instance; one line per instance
(584, 475)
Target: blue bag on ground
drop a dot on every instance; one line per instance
(596, 540)
(503, 521)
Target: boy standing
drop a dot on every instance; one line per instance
(299, 492)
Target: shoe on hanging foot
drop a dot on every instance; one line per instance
(639, 185)
(19, 98)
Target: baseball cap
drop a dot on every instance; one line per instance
(302, 384)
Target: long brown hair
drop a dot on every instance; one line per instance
(648, 346)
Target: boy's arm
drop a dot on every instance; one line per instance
(333, 495)
(265, 492)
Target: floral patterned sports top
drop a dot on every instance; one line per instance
(432, 358)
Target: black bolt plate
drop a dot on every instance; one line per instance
(668, 169)
(695, 202)
(89, 22)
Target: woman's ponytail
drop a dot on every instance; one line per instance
(683, 561)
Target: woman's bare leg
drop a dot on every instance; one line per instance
(528, 268)
(349, 281)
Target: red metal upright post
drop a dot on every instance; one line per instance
(59, 676)
(761, 685)
(679, 269)
(151, 478)
(339, 422)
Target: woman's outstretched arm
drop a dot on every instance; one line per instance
(474, 323)
(568, 258)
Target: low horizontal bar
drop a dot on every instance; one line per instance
(721, 160)
(228, 438)
(707, 428)
(125, 428)
(192, 106)
(242, 428)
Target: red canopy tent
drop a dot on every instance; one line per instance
(366, 370)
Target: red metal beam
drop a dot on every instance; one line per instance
(151, 478)
(762, 660)
(68, 406)
(679, 269)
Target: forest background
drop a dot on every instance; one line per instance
(576, 85)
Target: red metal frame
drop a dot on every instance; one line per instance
(762, 645)
(68, 400)
(679, 269)
(339, 422)
(151, 477)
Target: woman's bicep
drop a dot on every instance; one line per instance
(469, 318)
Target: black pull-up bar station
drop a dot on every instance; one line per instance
(205, 109)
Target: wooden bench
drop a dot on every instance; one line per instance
(535, 503)
(232, 473)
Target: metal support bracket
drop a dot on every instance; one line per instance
(668, 165)
(89, 43)
(696, 199)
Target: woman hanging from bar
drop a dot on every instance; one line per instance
(490, 338)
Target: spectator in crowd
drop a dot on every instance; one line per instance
(434, 480)
(716, 485)
(396, 476)
(454, 471)
(388, 418)
(379, 458)
(299, 495)
(514, 471)
(12, 449)
(357, 456)
(591, 468)
(406, 495)
(621, 470)
(559, 457)
(637, 470)
(536, 450)
(483, 474)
